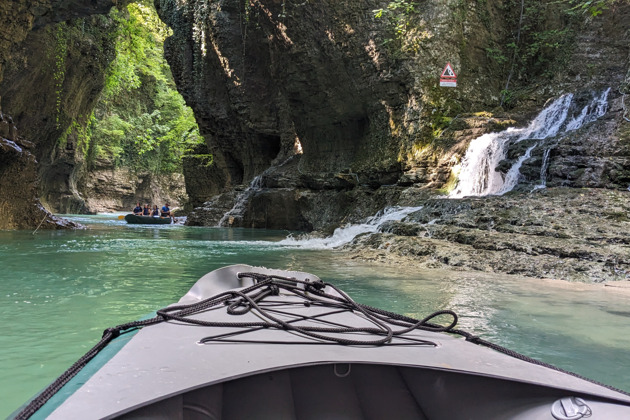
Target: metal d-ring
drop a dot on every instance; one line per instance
(342, 374)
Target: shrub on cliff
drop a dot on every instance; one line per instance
(142, 122)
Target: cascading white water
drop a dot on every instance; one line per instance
(512, 176)
(346, 234)
(478, 175)
(241, 200)
(543, 170)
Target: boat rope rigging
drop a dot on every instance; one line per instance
(388, 328)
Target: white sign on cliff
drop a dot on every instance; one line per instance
(448, 77)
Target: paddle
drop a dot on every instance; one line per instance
(122, 216)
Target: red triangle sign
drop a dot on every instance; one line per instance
(448, 72)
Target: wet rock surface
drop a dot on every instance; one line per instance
(18, 183)
(561, 233)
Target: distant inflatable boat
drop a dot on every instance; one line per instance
(254, 343)
(147, 220)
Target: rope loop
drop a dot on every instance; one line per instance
(113, 331)
(436, 327)
(274, 289)
(238, 307)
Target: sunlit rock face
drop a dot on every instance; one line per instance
(364, 99)
(261, 74)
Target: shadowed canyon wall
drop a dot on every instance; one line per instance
(49, 89)
(261, 74)
(359, 90)
(52, 74)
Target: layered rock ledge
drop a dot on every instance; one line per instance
(560, 233)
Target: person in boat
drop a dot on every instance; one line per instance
(146, 210)
(166, 211)
(156, 211)
(138, 210)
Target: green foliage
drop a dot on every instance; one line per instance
(497, 55)
(398, 15)
(205, 159)
(139, 49)
(59, 71)
(541, 42)
(247, 10)
(592, 7)
(142, 122)
(508, 97)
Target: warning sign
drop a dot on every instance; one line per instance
(448, 77)
(448, 72)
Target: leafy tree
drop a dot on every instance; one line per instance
(593, 7)
(141, 121)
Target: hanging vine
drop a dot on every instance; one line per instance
(59, 72)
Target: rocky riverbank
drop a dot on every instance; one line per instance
(559, 233)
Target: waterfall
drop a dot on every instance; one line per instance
(478, 175)
(543, 170)
(241, 200)
(512, 176)
(346, 234)
(243, 197)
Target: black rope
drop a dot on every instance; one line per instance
(108, 335)
(311, 293)
(481, 342)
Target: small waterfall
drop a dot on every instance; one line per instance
(346, 234)
(241, 200)
(478, 175)
(512, 176)
(543, 170)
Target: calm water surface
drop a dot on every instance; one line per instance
(61, 289)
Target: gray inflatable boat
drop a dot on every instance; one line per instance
(254, 343)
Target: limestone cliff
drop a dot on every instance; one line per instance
(53, 55)
(262, 74)
(67, 63)
(356, 84)
(19, 206)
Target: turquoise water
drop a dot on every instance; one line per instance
(61, 289)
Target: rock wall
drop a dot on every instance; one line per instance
(19, 206)
(108, 189)
(260, 74)
(67, 63)
(598, 154)
(361, 93)
(53, 55)
(18, 18)
(563, 233)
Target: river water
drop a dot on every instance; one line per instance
(61, 289)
